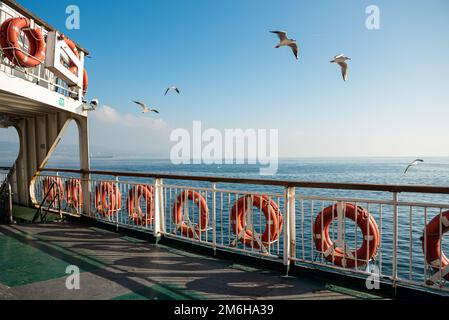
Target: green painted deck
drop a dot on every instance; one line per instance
(25, 214)
(34, 258)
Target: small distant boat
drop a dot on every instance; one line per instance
(101, 156)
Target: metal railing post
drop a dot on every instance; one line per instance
(59, 196)
(214, 218)
(86, 192)
(289, 228)
(159, 214)
(10, 203)
(292, 216)
(395, 238)
(117, 209)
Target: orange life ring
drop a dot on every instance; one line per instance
(135, 212)
(3, 40)
(433, 240)
(273, 218)
(72, 67)
(108, 199)
(53, 189)
(9, 40)
(74, 194)
(85, 81)
(188, 230)
(336, 255)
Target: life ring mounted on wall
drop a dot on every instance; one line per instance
(72, 67)
(10, 32)
(31, 57)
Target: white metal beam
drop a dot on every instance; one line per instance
(40, 96)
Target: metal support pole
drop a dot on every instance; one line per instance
(83, 131)
(159, 214)
(214, 219)
(292, 217)
(289, 228)
(10, 203)
(86, 193)
(117, 195)
(395, 238)
(57, 187)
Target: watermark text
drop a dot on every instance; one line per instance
(235, 146)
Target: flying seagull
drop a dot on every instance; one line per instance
(414, 163)
(145, 108)
(172, 88)
(284, 41)
(341, 61)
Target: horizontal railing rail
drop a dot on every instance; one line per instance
(392, 233)
(271, 182)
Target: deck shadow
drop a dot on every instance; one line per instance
(176, 275)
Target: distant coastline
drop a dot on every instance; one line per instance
(101, 156)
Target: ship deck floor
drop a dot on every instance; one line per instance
(34, 258)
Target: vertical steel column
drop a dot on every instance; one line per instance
(37, 136)
(289, 227)
(59, 196)
(292, 217)
(395, 238)
(159, 214)
(21, 174)
(214, 219)
(84, 154)
(10, 203)
(119, 194)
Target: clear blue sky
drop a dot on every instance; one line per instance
(221, 55)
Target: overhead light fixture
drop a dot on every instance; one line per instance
(6, 122)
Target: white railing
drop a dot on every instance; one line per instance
(3, 174)
(275, 219)
(5, 195)
(38, 75)
(400, 256)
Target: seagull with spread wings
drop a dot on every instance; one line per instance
(144, 107)
(285, 41)
(414, 163)
(341, 61)
(174, 88)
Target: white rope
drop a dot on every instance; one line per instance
(31, 33)
(14, 66)
(445, 221)
(440, 275)
(14, 49)
(25, 28)
(340, 225)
